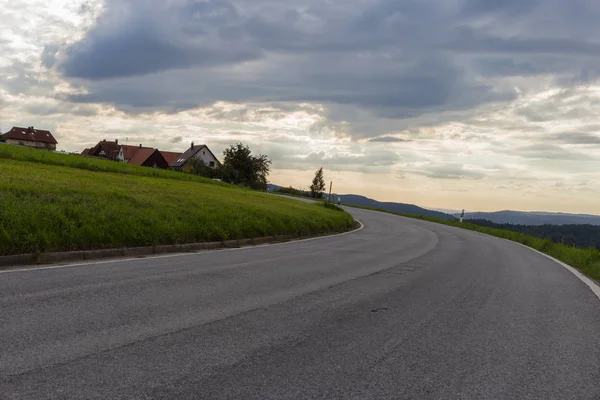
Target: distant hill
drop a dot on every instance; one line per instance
(356, 200)
(533, 218)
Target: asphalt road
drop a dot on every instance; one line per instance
(402, 309)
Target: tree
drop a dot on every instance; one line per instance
(198, 167)
(318, 185)
(242, 168)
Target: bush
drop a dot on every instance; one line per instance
(294, 192)
(197, 167)
(332, 206)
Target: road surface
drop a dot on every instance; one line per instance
(403, 309)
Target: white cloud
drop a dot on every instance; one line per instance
(485, 108)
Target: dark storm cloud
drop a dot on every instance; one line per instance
(140, 37)
(477, 41)
(494, 7)
(506, 66)
(393, 59)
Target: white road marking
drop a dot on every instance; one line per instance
(590, 283)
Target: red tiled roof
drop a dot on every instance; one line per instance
(85, 152)
(141, 155)
(170, 156)
(110, 149)
(30, 135)
(130, 151)
(189, 153)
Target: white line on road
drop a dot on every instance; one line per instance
(590, 283)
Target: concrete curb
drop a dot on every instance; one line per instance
(8, 262)
(592, 284)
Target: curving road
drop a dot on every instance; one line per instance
(403, 309)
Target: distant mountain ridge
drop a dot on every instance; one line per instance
(363, 201)
(533, 218)
(357, 200)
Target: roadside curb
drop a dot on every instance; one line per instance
(15, 261)
(592, 284)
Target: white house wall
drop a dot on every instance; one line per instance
(206, 156)
(29, 143)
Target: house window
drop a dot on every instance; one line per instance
(211, 164)
(203, 152)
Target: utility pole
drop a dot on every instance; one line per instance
(462, 215)
(330, 185)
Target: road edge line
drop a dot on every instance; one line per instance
(588, 281)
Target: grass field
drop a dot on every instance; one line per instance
(54, 202)
(585, 260)
(18, 153)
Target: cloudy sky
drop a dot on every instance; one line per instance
(476, 104)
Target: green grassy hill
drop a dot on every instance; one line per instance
(59, 202)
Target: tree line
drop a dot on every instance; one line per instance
(582, 236)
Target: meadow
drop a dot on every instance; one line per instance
(57, 202)
(18, 153)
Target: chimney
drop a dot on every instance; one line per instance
(192, 145)
(104, 140)
(116, 141)
(140, 145)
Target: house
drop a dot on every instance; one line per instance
(170, 156)
(105, 149)
(127, 152)
(137, 155)
(147, 157)
(30, 137)
(144, 156)
(201, 152)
